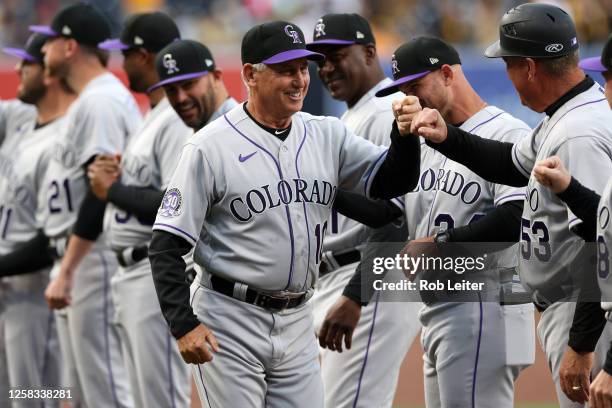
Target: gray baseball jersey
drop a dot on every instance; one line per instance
(14, 114)
(449, 194)
(370, 118)
(258, 197)
(149, 160)
(468, 359)
(99, 121)
(604, 245)
(580, 133)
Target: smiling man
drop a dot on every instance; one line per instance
(192, 82)
(247, 179)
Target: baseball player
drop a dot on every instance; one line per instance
(473, 350)
(539, 45)
(366, 374)
(32, 351)
(589, 318)
(260, 180)
(98, 122)
(133, 190)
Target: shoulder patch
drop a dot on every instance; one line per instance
(171, 205)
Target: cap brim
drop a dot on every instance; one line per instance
(329, 41)
(293, 54)
(44, 30)
(112, 45)
(393, 86)
(494, 51)
(19, 53)
(592, 64)
(177, 79)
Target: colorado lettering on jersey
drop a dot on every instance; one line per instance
(136, 169)
(65, 154)
(256, 201)
(450, 182)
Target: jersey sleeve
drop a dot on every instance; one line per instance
(503, 193)
(98, 128)
(188, 196)
(359, 162)
(587, 159)
(524, 153)
(378, 130)
(14, 112)
(168, 147)
(41, 193)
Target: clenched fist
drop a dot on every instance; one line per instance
(194, 345)
(429, 124)
(404, 112)
(552, 173)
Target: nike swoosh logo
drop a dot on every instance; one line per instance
(276, 132)
(242, 158)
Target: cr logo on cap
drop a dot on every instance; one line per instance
(394, 67)
(170, 64)
(553, 47)
(320, 28)
(293, 34)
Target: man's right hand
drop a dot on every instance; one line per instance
(339, 323)
(194, 345)
(552, 173)
(429, 124)
(574, 374)
(404, 112)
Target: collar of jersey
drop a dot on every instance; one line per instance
(583, 86)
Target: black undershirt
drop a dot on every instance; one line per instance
(278, 133)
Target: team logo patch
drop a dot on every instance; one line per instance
(359, 35)
(171, 203)
(394, 67)
(320, 28)
(293, 34)
(553, 47)
(138, 40)
(433, 61)
(170, 64)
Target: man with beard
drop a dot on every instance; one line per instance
(195, 89)
(32, 352)
(133, 186)
(366, 373)
(98, 122)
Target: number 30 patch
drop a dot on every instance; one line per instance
(171, 203)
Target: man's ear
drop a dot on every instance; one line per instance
(532, 69)
(248, 74)
(370, 53)
(447, 74)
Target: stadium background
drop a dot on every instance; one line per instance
(470, 25)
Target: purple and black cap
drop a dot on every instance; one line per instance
(32, 52)
(417, 58)
(602, 63)
(274, 43)
(341, 29)
(181, 60)
(151, 31)
(81, 22)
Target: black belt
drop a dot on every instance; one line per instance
(261, 299)
(132, 255)
(341, 259)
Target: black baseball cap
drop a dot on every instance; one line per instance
(341, 29)
(181, 60)
(602, 63)
(151, 31)
(417, 58)
(275, 42)
(32, 51)
(81, 22)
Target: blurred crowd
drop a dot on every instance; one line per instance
(221, 23)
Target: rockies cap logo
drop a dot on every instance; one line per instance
(553, 47)
(293, 34)
(394, 67)
(170, 64)
(320, 28)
